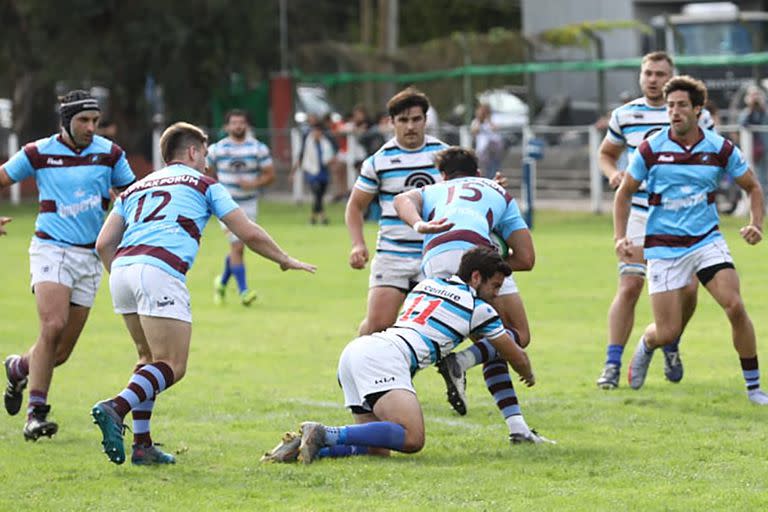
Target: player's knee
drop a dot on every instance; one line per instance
(735, 310)
(51, 326)
(630, 289)
(667, 335)
(414, 442)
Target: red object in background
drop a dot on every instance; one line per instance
(281, 112)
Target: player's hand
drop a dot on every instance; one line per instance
(529, 380)
(615, 179)
(623, 248)
(751, 234)
(433, 226)
(358, 257)
(3, 222)
(294, 264)
(500, 179)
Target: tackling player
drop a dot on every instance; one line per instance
(148, 243)
(74, 171)
(375, 371)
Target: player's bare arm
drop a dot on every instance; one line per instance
(607, 159)
(109, 238)
(622, 204)
(408, 207)
(752, 233)
(5, 180)
(522, 255)
(353, 218)
(515, 356)
(261, 243)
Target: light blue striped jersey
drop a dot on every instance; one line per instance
(437, 315)
(636, 121)
(234, 161)
(681, 190)
(390, 171)
(476, 206)
(164, 216)
(73, 186)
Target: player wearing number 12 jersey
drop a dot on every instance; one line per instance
(375, 371)
(148, 243)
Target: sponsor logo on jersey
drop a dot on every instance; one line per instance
(419, 180)
(71, 210)
(395, 161)
(384, 380)
(54, 161)
(666, 158)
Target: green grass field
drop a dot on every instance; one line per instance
(254, 373)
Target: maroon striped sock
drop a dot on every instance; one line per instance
(37, 398)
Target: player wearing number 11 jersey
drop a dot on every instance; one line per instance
(149, 242)
(376, 371)
(465, 209)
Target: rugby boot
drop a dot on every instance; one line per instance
(312, 439)
(673, 366)
(530, 437)
(638, 367)
(287, 450)
(38, 425)
(112, 430)
(609, 379)
(150, 455)
(14, 389)
(247, 297)
(219, 291)
(455, 382)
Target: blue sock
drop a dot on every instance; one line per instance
(239, 272)
(499, 384)
(342, 451)
(227, 272)
(378, 434)
(614, 354)
(672, 347)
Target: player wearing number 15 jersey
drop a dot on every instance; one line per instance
(375, 371)
(465, 209)
(149, 242)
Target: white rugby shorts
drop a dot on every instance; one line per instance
(446, 264)
(372, 364)
(149, 291)
(251, 209)
(76, 268)
(395, 271)
(636, 226)
(672, 274)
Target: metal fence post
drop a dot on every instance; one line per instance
(298, 179)
(595, 176)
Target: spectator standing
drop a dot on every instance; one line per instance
(489, 144)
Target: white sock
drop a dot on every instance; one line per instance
(466, 359)
(517, 424)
